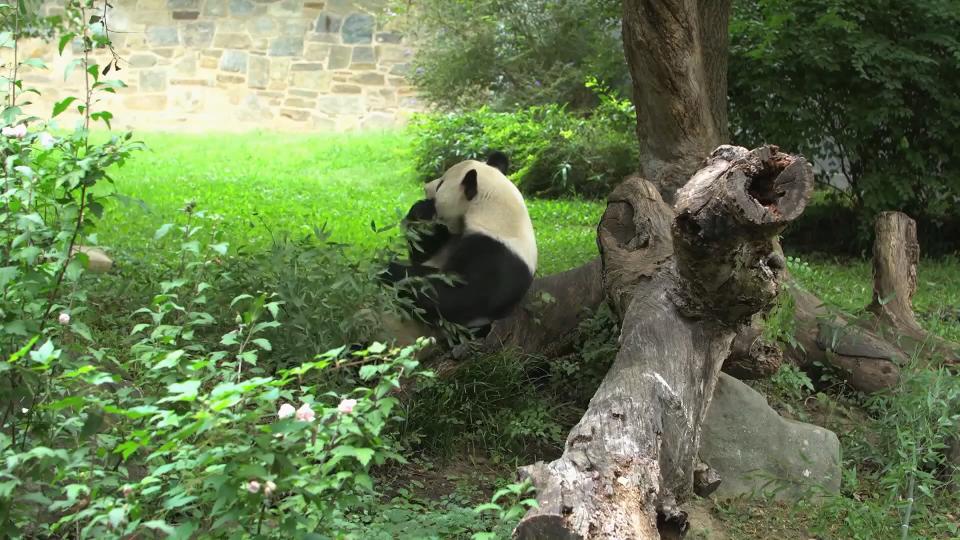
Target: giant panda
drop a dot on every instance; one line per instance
(478, 231)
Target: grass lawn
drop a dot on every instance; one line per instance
(265, 183)
(275, 182)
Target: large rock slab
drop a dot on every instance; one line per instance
(755, 450)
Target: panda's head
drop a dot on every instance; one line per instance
(497, 160)
(476, 197)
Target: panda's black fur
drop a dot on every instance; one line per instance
(489, 276)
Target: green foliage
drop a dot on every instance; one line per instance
(510, 503)
(514, 54)
(554, 152)
(870, 83)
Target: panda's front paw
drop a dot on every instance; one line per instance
(393, 273)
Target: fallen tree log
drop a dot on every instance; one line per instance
(631, 459)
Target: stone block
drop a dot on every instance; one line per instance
(163, 36)
(154, 80)
(286, 46)
(215, 8)
(324, 37)
(142, 60)
(299, 102)
(368, 79)
(363, 55)
(328, 23)
(339, 57)
(295, 114)
(378, 121)
(263, 27)
(338, 105)
(345, 89)
(223, 78)
(313, 80)
(183, 4)
(389, 37)
(241, 8)
(234, 61)
(303, 93)
(400, 69)
(358, 28)
(186, 15)
(198, 34)
(186, 66)
(228, 40)
(306, 66)
(316, 51)
(145, 102)
(285, 8)
(258, 73)
(209, 63)
(341, 7)
(394, 54)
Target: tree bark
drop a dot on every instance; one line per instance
(677, 53)
(684, 283)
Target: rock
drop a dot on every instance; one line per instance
(358, 28)
(198, 34)
(339, 57)
(756, 450)
(183, 4)
(287, 46)
(153, 81)
(215, 8)
(142, 60)
(333, 105)
(259, 74)
(368, 79)
(97, 260)
(226, 40)
(328, 23)
(389, 37)
(162, 36)
(241, 7)
(234, 61)
(363, 55)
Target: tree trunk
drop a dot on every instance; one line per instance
(677, 53)
(684, 284)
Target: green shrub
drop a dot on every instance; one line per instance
(872, 84)
(553, 152)
(510, 55)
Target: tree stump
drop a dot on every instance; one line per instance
(684, 284)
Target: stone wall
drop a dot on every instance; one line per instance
(316, 65)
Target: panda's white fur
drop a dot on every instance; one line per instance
(497, 211)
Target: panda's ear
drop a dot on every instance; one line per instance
(498, 160)
(469, 184)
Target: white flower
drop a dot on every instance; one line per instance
(46, 140)
(286, 411)
(64, 318)
(269, 488)
(18, 131)
(305, 413)
(253, 486)
(346, 406)
(127, 491)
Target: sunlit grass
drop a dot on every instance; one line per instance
(264, 183)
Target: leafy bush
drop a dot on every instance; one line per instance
(553, 151)
(512, 55)
(866, 88)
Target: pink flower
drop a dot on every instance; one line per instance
(18, 131)
(253, 486)
(64, 318)
(46, 140)
(346, 406)
(269, 488)
(286, 411)
(305, 413)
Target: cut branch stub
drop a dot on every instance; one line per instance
(726, 216)
(632, 457)
(634, 239)
(896, 253)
